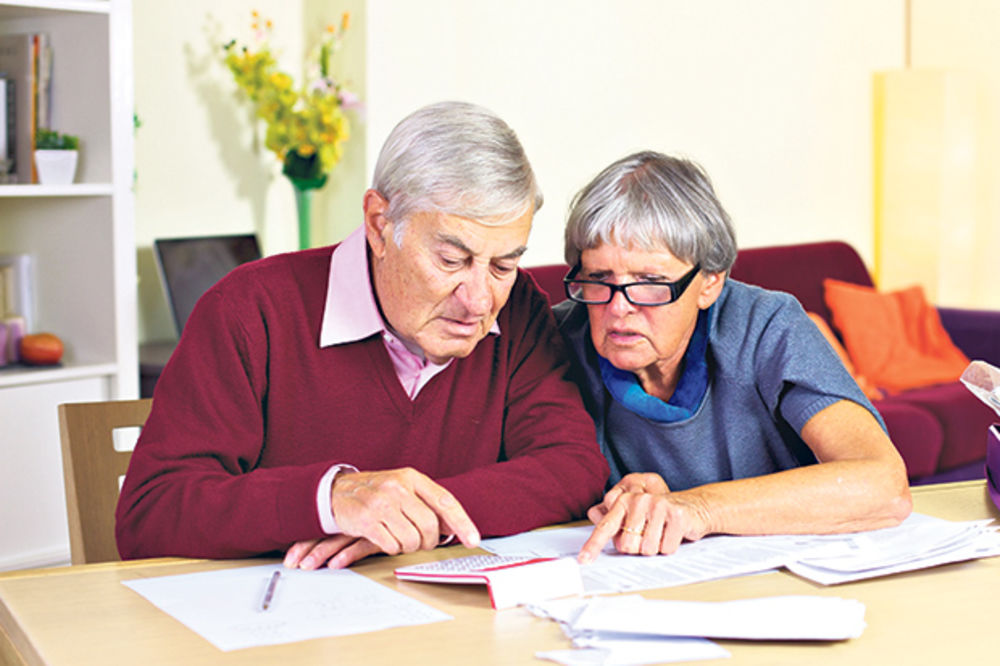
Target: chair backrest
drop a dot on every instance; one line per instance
(91, 469)
(549, 279)
(800, 270)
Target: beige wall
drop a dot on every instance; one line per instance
(773, 97)
(200, 167)
(960, 36)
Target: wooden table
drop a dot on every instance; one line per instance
(83, 615)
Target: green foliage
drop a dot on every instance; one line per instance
(47, 139)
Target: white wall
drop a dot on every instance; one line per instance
(773, 97)
(201, 166)
(960, 36)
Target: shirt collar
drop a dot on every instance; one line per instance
(350, 312)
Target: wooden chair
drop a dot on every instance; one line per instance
(91, 469)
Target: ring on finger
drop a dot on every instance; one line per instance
(632, 530)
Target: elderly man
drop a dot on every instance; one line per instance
(385, 395)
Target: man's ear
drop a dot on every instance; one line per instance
(378, 228)
(711, 287)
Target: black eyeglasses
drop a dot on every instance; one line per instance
(594, 292)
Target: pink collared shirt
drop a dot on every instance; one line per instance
(350, 315)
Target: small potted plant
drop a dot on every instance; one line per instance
(55, 157)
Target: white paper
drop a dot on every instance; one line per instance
(800, 617)
(544, 580)
(612, 648)
(976, 540)
(920, 541)
(707, 559)
(511, 581)
(563, 611)
(557, 542)
(224, 606)
(983, 380)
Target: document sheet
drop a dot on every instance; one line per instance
(634, 630)
(793, 617)
(709, 558)
(224, 607)
(609, 648)
(920, 541)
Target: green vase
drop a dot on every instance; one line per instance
(303, 209)
(303, 172)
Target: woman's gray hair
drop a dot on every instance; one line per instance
(654, 202)
(455, 158)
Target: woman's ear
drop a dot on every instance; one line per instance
(378, 228)
(711, 287)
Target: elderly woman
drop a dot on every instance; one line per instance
(719, 405)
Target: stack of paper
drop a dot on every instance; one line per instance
(770, 618)
(709, 558)
(919, 542)
(631, 629)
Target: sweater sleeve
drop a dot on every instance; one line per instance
(551, 469)
(193, 487)
(798, 373)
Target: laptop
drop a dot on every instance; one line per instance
(189, 266)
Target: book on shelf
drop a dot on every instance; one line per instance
(26, 61)
(43, 81)
(7, 136)
(17, 296)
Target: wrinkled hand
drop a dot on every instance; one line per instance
(636, 482)
(391, 511)
(643, 517)
(337, 551)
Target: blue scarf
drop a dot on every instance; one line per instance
(625, 388)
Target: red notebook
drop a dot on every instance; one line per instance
(511, 580)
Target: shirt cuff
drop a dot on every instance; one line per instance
(324, 505)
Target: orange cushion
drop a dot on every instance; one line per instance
(894, 339)
(869, 389)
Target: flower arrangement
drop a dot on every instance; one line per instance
(306, 126)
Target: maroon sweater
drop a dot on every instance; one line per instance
(250, 412)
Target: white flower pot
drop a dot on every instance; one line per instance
(55, 167)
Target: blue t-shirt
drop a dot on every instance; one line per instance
(769, 371)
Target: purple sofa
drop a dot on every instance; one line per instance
(940, 430)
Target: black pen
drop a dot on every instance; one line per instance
(265, 603)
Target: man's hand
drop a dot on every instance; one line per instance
(338, 551)
(392, 511)
(399, 510)
(643, 517)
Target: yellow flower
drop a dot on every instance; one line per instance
(305, 121)
(281, 81)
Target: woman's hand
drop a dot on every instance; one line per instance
(644, 517)
(636, 482)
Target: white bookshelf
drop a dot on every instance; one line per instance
(81, 239)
